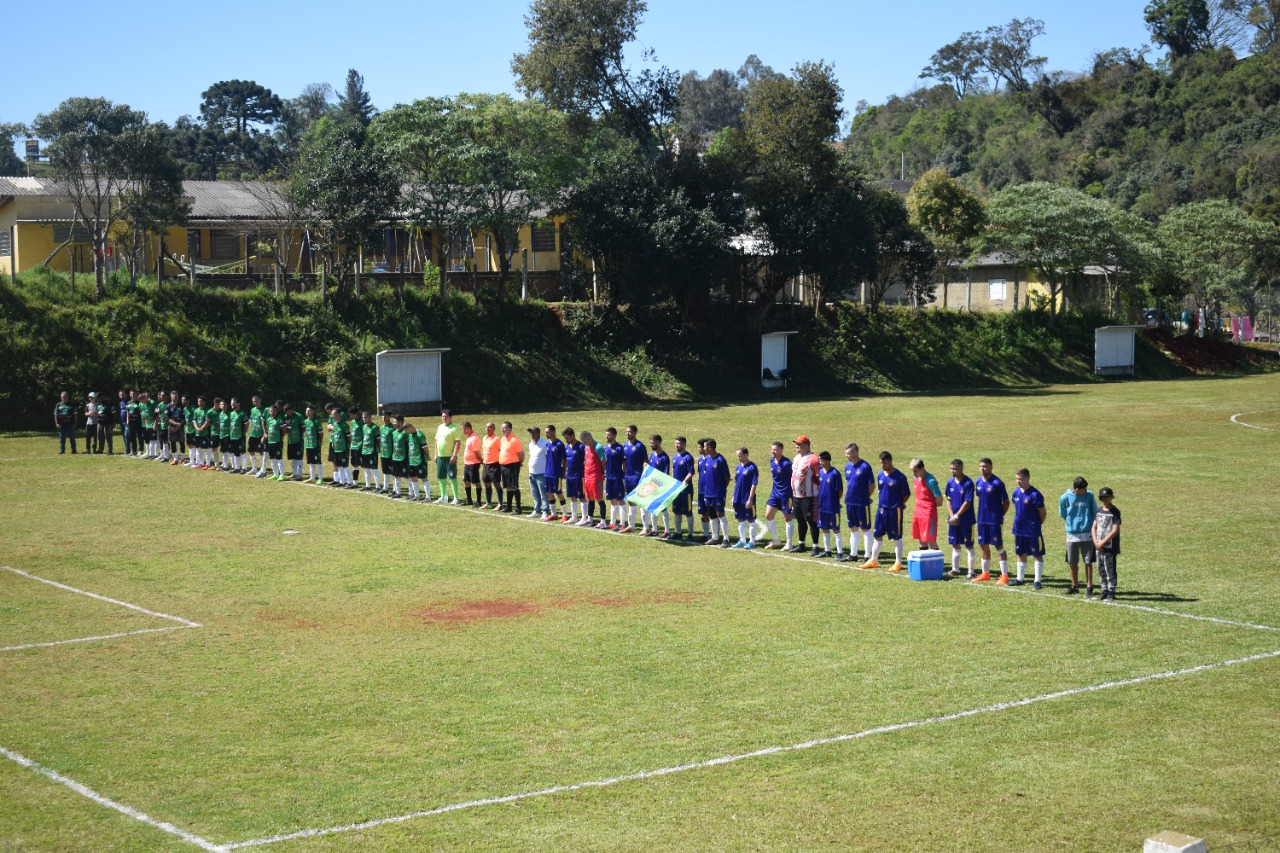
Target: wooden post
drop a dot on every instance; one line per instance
(359, 267)
(968, 292)
(160, 265)
(524, 275)
(278, 260)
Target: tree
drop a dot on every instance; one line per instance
(11, 164)
(1214, 249)
(1180, 25)
(1056, 231)
(903, 253)
(948, 213)
(354, 102)
(710, 104)
(151, 200)
(312, 104)
(239, 106)
(1261, 15)
(959, 64)
(576, 63)
(110, 163)
(1007, 52)
(348, 188)
(1226, 28)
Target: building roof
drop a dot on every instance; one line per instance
(234, 200)
(28, 187)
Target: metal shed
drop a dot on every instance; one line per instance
(1113, 350)
(409, 381)
(774, 372)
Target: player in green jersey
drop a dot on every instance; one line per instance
(147, 410)
(273, 432)
(368, 452)
(399, 454)
(448, 449)
(236, 420)
(189, 424)
(386, 436)
(416, 466)
(293, 439)
(311, 432)
(257, 418)
(339, 436)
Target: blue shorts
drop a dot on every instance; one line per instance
(573, 488)
(681, 505)
(960, 534)
(1028, 546)
(744, 512)
(553, 485)
(829, 520)
(614, 490)
(859, 516)
(630, 481)
(780, 500)
(713, 505)
(991, 534)
(888, 523)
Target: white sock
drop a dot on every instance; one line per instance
(397, 485)
(791, 532)
(773, 529)
(826, 540)
(706, 528)
(955, 559)
(876, 545)
(897, 550)
(867, 539)
(839, 546)
(1022, 569)
(1004, 564)
(986, 565)
(742, 530)
(1039, 569)
(971, 559)
(666, 521)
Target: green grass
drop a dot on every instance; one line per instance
(321, 691)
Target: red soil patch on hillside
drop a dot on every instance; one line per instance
(1203, 355)
(458, 614)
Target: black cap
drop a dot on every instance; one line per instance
(1105, 492)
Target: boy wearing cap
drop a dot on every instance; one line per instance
(1106, 542)
(830, 493)
(1078, 508)
(1028, 523)
(804, 491)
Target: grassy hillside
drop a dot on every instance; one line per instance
(514, 356)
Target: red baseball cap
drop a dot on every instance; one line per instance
(804, 439)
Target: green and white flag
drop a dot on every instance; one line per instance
(655, 491)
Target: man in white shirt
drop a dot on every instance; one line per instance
(536, 456)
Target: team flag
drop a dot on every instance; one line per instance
(655, 491)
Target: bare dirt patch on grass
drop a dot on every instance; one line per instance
(458, 614)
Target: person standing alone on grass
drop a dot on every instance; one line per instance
(804, 491)
(993, 503)
(894, 491)
(924, 515)
(448, 448)
(1106, 542)
(1078, 508)
(1028, 527)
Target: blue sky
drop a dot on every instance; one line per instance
(160, 57)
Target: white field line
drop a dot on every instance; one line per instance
(185, 622)
(730, 759)
(1235, 419)
(762, 552)
(88, 792)
(92, 639)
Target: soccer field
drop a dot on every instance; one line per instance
(178, 672)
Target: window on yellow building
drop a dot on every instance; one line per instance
(996, 289)
(224, 245)
(76, 234)
(544, 238)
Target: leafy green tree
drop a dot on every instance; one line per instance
(1262, 16)
(1180, 25)
(1215, 250)
(311, 105)
(1056, 231)
(577, 63)
(236, 116)
(1007, 52)
(347, 187)
(111, 162)
(11, 164)
(959, 65)
(710, 104)
(903, 253)
(949, 214)
(354, 102)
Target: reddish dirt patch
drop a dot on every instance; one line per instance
(291, 621)
(466, 612)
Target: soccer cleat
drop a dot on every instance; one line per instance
(826, 555)
(773, 546)
(1088, 593)
(625, 528)
(1036, 585)
(843, 558)
(870, 564)
(982, 577)
(1003, 581)
(725, 543)
(741, 543)
(896, 567)
(1015, 582)
(1072, 590)
(749, 546)
(816, 552)
(711, 542)
(955, 573)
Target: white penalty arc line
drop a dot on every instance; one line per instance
(731, 759)
(1235, 419)
(93, 639)
(128, 811)
(185, 622)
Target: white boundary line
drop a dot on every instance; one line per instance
(129, 811)
(91, 639)
(730, 759)
(184, 622)
(1235, 420)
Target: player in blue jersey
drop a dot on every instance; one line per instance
(779, 497)
(659, 460)
(960, 519)
(1028, 524)
(746, 479)
(683, 469)
(702, 461)
(634, 457)
(574, 467)
(830, 494)
(894, 491)
(993, 502)
(555, 476)
(717, 488)
(614, 484)
(860, 485)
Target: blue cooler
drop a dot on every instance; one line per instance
(925, 565)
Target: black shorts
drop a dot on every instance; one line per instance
(471, 474)
(148, 434)
(313, 456)
(386, 464)
(338, 458)
(235, 446)
(295, 450)
(273, 451)
(369, 461)
(225, 444)
(511, 477)
(399, 468)
(492, 474)
(419, 471)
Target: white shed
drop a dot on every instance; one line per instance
(409, 381)
(1113, 350)
(774, 372)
